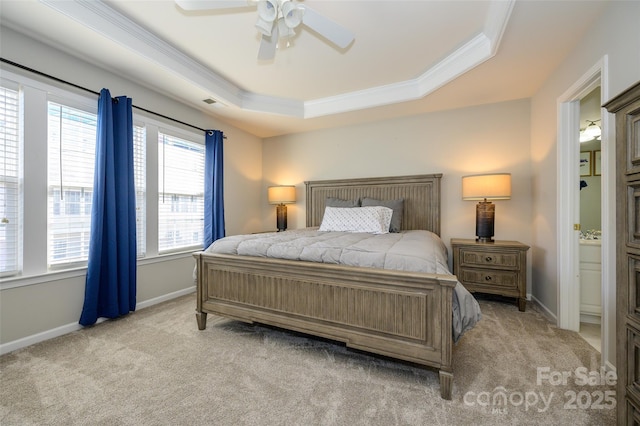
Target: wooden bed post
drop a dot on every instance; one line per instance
(446, 369)
(201, 316)
(446, 384)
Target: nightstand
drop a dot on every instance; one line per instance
(499, 267)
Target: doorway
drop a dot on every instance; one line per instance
(568, 218)
(590, 245)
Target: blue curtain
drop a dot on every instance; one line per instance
(110, 287)
(213, 188)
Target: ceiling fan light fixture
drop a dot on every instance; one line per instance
(265, 27)
(279, 19)
(593, 131)
(268, 10)
(291, 14)
(284, 29)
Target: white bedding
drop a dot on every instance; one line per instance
(413, 251)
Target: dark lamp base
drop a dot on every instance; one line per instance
(485, 240)
(281, 217)
(485, 219)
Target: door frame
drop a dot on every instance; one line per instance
(568, 212)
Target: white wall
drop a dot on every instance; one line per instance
(40, 304)
(616, 36)
(488, 138)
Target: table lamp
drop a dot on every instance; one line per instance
(281, 195)
(486, 187)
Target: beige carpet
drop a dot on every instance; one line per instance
(155, 368)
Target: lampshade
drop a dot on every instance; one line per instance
(489, 186)
(284, 194)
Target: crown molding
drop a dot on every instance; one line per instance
(251, 101)
(113, 25)
(462, 60)
(496, 22)
(108, 22)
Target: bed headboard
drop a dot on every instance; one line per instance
(421, 195)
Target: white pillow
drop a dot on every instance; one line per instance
(375, 219)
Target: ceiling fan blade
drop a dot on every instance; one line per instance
(268, 44)
(332, 31)
(213, 4)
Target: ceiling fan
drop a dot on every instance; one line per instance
(278, 19)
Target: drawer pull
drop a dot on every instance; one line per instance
(488, 278)
(488, 259)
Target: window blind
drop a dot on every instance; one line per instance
(72, 142)
(71, 159)
(10, 194)
(140, 182)
(181, 197)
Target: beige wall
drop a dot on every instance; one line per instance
(243, 151)
(517, 137)
(50, 302)
(616, 36)
(488, 138)
(57, 303)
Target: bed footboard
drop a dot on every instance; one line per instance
(402, 315)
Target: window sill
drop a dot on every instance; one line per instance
(56, 275)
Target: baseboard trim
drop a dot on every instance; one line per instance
(590, 318)
(545, 311)
(610, 367)
(69, 328)
(165, 297)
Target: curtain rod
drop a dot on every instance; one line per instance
(59, 80)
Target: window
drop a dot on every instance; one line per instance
(59, 169)
(72, 142)
(72, 145)
(10, 195)
(181, 198)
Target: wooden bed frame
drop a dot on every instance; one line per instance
(402, 315)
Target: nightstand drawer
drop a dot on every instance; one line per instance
(504, 260)
(503, 279)
(498, 268)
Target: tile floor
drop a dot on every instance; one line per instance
(591, 333)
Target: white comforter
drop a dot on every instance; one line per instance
(413, 251)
